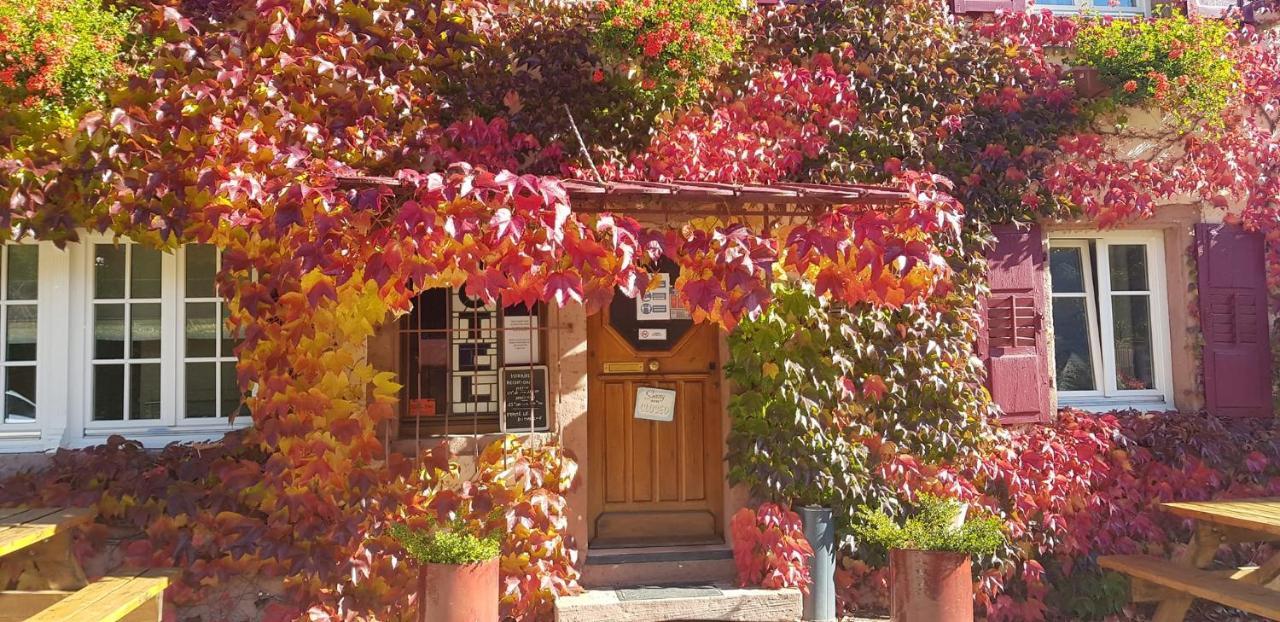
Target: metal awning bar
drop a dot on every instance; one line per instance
(782, 193)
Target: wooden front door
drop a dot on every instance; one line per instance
(653, 482)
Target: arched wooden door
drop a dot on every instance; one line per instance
(653, 482)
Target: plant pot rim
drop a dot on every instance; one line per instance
(465, 565)
(935, 551)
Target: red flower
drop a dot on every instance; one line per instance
(597, 76)
(1130, 86)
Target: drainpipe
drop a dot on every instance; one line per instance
(820, 602)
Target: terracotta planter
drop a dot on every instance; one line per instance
(930, 586)
(1088, 82)
(458, 592)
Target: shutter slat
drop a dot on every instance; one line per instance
(1233, 295)
(1013, 339)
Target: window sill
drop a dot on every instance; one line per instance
(158, 437)
(1105, 405)
(466, 444)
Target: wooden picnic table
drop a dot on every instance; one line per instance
(1174, 585)
(35, 548)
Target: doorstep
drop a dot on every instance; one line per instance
(667, 565)
(688, 602)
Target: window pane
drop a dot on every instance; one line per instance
(146, 273)
(1128, 267)
(1066, 270)
(1072, 354)
(229, 339)
(202, 264)
(144, 331)
(231, 396)
(24, 269)
(108, 392)
(144, 391)
(1132, 326)
(20, 395)
(108, 271)
(202, 329)
(108, 332)
(202, 394)
(20, 333)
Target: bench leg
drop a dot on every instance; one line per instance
(1265, 573)
(1199, 554)
(56, 564)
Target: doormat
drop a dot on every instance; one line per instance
(660, 593)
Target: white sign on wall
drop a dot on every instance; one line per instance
(520, 339)
(655, 404)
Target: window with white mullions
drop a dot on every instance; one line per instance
(128, 333)
(19, 273)
(1109, 7)
(162, 357)
(209, 388)
(1076, 345)
(1110, 320)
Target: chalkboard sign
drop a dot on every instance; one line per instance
(524, 398)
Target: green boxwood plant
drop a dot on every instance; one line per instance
(451, 545)
(933, 527)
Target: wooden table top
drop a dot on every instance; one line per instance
(1262, 515)
(23, 527)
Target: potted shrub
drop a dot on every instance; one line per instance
(458, 572)
(930, 576)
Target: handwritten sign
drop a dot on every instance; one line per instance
(655, 404)
(524, 398)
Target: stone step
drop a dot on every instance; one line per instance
(673, 565)
(703, 603)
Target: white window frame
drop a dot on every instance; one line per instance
(1081, 7)
(51, 332)
(183, 358)
(1108, 396)
(172, 425)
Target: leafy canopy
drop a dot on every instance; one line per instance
(1184, 66)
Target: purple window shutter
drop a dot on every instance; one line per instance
(1233, 320)
(988, 6)
(1014, 337)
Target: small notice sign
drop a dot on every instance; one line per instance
(422, 407)
(524, 398)
(655, 304)
(655, 404)
(652, 334)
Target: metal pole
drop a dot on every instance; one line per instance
(820, 531)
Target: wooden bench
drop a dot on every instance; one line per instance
(1179, 579)
(37, 543)
(1174, 584)
(123, 598)
(35, 548)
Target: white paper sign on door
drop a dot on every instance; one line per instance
(655, 404)
(655, 304)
